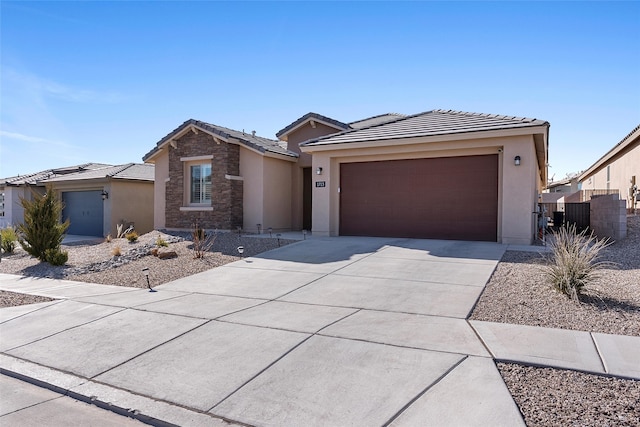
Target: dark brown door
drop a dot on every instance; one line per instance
(306, 198)
(441, 198)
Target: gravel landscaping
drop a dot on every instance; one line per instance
(517, 293)
(96, 263)
(554, 397)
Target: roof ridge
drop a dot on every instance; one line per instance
(364, 128)
(121, 168)
(308, 115)
(376, 116)
(487, 115)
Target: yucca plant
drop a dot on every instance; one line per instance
(574, 260)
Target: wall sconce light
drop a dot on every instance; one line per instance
(319, 170)
(104, 195)
(516, 161)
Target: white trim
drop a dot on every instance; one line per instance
(233, 177)
(194, 158)
(195, 208)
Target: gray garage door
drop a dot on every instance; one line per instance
(84, 209)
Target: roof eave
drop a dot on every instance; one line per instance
(633, 136)
(541, 129)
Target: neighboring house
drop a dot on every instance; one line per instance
(440, 174)
(96, 197)
(618, 169)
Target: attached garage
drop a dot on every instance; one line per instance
(433, 198)
(438, 175)
(85, 212)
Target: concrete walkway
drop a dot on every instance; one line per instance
(327, 331)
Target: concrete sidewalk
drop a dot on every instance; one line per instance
(327, 331)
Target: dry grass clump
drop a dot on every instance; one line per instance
(573, 262)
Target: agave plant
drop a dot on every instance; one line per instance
(574, 261)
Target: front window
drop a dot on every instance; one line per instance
(200, 184)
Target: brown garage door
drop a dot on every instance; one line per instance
(442, 198)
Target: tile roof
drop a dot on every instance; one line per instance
(308, 116)
(35, 178)
(253, 141)
(430, 123)
(375, 120)
(129, 171)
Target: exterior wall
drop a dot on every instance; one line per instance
(159, 189)
(13, 211)
(608, 217)
(622, 167)
(130, 201)
(520, 189)
(277, 194)
(517, 192)
(251, 170)
(302, 134)
(226, 210)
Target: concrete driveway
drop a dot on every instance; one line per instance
(327, 332)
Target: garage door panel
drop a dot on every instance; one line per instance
(85, 212)
(443, 198)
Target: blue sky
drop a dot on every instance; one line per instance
(104, 81)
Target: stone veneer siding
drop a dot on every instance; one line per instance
(226, 194)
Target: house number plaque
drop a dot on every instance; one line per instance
(321, 184)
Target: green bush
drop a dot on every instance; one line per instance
(41, 229)
(56, 256)
(574, 261)
(132, 237)
(161, 242)
(8, 239)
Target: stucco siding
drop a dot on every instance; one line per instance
(621, 168)
(131, 202)
(159, 201)
(277, 194)
(251, 171)
(304, 133)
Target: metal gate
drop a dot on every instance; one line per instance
(578, 214)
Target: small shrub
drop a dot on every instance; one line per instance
(202, 241)
(116, 251)
(574, 261)
(56, 256)
(161, 242)
(119, 228)
(108, 238)
(42, 229)
(132, 237)
(8, 237)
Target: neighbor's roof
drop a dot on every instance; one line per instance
(430, 123)
(258, 143)
(311, 116)
(129, 171)
(633, 136)
(37, 177)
